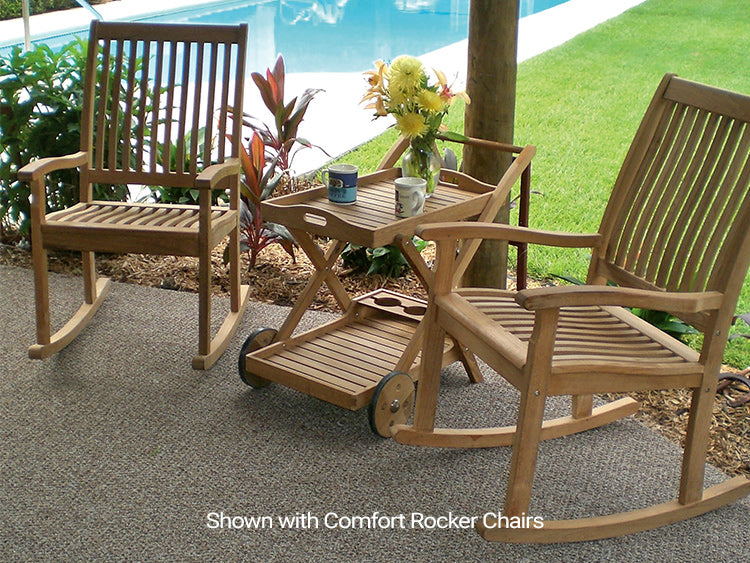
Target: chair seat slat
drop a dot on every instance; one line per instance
(612, 340)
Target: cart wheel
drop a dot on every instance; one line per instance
(391, 402)
(258, 339)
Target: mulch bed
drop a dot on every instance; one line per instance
(278, 280)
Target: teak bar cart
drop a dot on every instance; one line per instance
(370, 355)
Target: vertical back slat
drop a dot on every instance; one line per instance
(635, 168)
(197, 109)
(169, 107)
(129, 102)
(155, 121)
(142, 107)
(183, 120)
(210, 103)
(729, 196)
(700, 220)
(629, 244)
(101, 110)
(237, 102)
(223, 108)
(737, 233)
(159, 107)
(114, 106)
(695, 202)
(672, 221)
(684, 150)
(682, 191)
(624, 221)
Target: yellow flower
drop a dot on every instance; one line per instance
(376, 77)
(406, 74)
(431, 101)
(379, 106)
(411, 124)
(396, 98)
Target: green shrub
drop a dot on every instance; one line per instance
(10, 9)
(386, 260)
(41, 95)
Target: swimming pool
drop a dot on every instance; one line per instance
(330, 35)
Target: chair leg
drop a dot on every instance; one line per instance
(41, 294)
(210, 350)
(525, 451)
(204, 302)
(529, 426)
(696, 444)
(429, 373)
(582, 406)
(469, 362)
(89, 277)
(94, 293)
(234, 270)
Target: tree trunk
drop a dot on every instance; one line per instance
(491, 84)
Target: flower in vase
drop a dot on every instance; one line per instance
(411, 124)
(404, 91)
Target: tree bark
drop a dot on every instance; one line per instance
(491, 84)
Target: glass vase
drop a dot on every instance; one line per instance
(422, 163)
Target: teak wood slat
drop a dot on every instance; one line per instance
(674, 237)
(147, 108)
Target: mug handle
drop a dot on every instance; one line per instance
(323, 176)
(418, 200)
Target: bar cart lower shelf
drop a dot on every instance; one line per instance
(369, 356)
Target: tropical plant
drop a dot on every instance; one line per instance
(258, 183)
(41, 98)
(10, 9)
(268, 160)
(385, 260)
(282, 142)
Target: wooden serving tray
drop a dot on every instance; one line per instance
(371, 220)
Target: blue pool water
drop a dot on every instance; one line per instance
(333, 35)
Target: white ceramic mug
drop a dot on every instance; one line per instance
(409, 196)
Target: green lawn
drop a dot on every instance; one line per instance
(581, 103)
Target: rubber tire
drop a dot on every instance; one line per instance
(258, 339)
(379, 424)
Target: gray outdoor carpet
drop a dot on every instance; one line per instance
(116, 450)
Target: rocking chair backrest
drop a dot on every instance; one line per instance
(158, 101)
(679, 215)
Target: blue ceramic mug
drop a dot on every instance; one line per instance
(341, 180)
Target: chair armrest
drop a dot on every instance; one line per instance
(39, 168)
(468, 230)
(587, 295)
(212, 176)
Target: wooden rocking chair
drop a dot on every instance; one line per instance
(149, 123)
(675, 237)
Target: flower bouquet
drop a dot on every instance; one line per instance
(403, 90)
